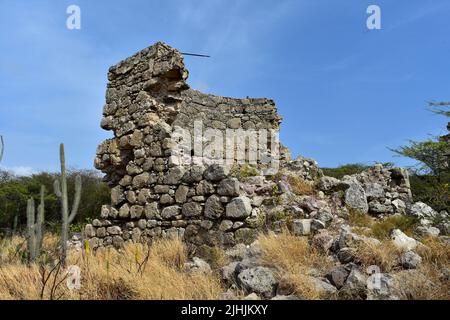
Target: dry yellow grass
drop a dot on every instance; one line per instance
(294, 259)
(384, 255)
(300, 186)
(138, 272)
(157, 271)
(426, 282)
(435, 252)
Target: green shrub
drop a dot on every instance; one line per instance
(344, 170)
(382, 229)
(428, 189)
(14, 192)
(244, 171)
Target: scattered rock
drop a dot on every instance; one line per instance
(283, 297)
(428, 231)
(252, 296)
(332, 184)
(422, 211)
(259, 280)
(355, 197)
(323, 241)
(355, 287)
(410, 260)
(402, 241)
(198, 265)
(324, 289)
(346, 255)
(317, 225)
(379, 287)
(301, 227)
(337, 276)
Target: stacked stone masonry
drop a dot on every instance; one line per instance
(154, 196)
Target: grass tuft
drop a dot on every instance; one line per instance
(294, 259)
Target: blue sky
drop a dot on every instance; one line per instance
(346, 93)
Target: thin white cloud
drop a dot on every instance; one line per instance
(19, 171)
(413, 17)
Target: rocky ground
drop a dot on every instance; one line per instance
(363, 235)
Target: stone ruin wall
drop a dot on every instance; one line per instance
(152, 196)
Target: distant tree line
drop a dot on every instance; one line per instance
(15, 190)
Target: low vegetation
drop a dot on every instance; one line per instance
(384, 255)
(300, 186)
(294, 259)
(14, 192)
(137, 272)
(381, 228)
(244, 171)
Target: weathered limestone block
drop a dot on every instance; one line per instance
(213, 207)
(239, 208)
(170, 212)
(228, 187)
(192, 209)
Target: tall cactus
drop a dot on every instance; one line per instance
(2, 145)
(40, 222)
(31, 230)
(61, 191)
(35, 233)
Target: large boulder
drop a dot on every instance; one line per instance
(422, 211)
(402, 242)
(259, 280)
(355, 286)
(239, 208)
(379, 287)
(410, 260)
(338, 275)
(355, 197)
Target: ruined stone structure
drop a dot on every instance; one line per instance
(153, 193)
(156, 193)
